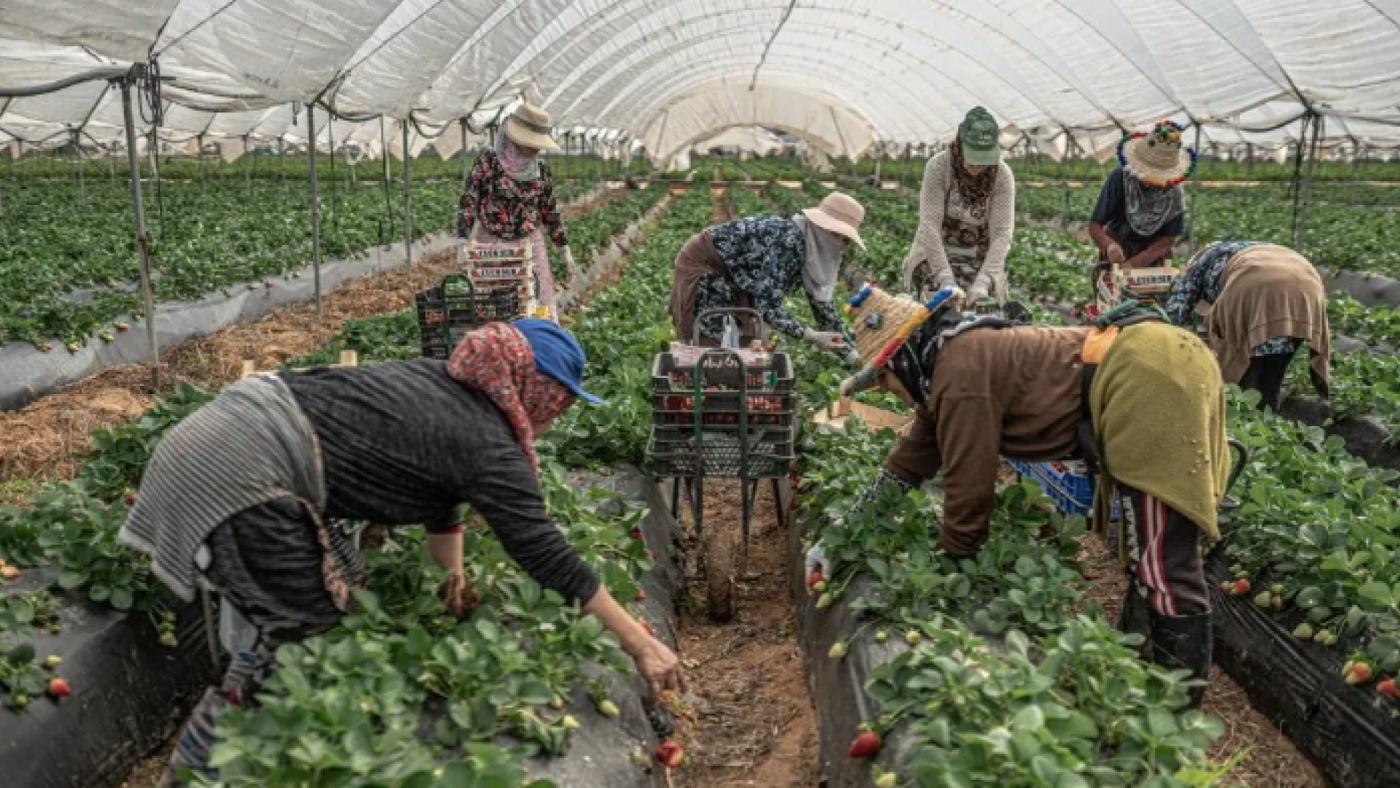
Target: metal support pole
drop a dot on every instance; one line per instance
(1300, 241)
(465, 171)
(1195, 192)
(315, 205)
(203, 170)
(407, 204)
(78, 151)
(148, 305)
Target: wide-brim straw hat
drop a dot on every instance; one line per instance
(529, 127)
(1157, 157)
(839, 213)
(882, 322)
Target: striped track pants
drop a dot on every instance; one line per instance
(1165, 548)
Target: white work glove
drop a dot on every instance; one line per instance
(826, 340)
(853, 359)
(816, 559)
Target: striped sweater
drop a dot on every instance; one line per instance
(255, 441)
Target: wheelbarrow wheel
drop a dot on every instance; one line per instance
(718, 546)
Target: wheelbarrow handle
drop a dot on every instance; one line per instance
(1238, 469)
(733, 310)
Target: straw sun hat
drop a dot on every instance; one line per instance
(883, 322)
(529, 127)
(1157, 157)
(840, 214)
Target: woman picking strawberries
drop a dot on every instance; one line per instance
(236, 497)
(510, 197)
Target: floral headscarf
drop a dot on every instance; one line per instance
(497, 361)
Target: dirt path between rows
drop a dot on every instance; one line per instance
(755, 724)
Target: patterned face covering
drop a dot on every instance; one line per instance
(497, 361)
(520, 163)
(1150, 207)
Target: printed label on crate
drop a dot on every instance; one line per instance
(497, 273)
(499, 251)
(687, 355)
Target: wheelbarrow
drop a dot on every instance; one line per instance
(723, 412)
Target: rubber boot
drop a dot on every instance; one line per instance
(1184, 643)
(1135, 617)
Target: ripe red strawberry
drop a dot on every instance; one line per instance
(59, 688)
(670, 754)
(1241, 587)
(814, 578)
(636, 533)
(864, 745)
(647, 626)
(48, 346)
(1387, 687)
(641, 595)
(131, 499)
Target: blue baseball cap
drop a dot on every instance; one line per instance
(557, 354)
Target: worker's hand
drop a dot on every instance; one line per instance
(827, 340)
(459, 594)
(1116, 256)
(817, 561)
(660, 666)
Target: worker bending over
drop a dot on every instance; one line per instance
(1261, 302)
(1146, 395)
(756, 261)
(237, 497)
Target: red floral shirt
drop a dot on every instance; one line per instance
(508, 208)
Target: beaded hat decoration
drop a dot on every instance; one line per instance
(882, 322)
(1157, 157)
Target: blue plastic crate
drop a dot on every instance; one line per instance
(1065, 483)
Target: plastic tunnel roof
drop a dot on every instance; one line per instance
(840, 73)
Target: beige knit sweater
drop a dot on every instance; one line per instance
(929, 242)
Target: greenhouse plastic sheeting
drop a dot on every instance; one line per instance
(31, 373)
(1249, 69)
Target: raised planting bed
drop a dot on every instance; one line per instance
(996, 680)
(1307, 584)
(1365, 437)
(1351, 733)
(31, 373)
(128, 691)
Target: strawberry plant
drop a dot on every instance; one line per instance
(119, 454)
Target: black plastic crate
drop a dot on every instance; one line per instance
(676, 452)
(722, 446)
(671, 376)
(453, 308)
